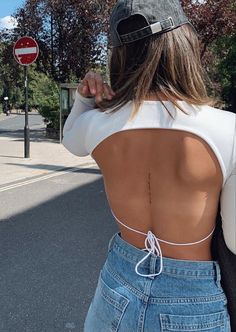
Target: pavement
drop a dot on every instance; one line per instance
(47, 156)
(52, 243)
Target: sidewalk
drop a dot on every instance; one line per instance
(46, 157)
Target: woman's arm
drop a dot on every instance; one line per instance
(91, 90)
(228, 206)
(80, 106)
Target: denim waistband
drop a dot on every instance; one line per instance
(187, 268)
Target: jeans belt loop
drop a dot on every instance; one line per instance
(111, 242)
(218, 274)
(153, 261)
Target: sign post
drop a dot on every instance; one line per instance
(26, 51)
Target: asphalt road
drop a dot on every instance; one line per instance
(13, 125)
(53, 242)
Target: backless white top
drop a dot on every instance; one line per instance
(86, 127)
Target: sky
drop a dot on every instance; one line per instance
(7, 8)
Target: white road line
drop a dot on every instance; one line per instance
(52, 174)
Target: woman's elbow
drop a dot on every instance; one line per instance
(73, 148)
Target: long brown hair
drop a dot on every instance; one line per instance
(168, 64)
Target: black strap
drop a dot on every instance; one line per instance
(145, 32)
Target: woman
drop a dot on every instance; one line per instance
(167, 158)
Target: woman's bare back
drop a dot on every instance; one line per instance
(166, 181)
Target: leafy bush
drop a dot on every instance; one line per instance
(44, 94)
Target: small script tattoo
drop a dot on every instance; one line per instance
(149, 188)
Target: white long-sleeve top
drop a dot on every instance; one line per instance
(86, 127)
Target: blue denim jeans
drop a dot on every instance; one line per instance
(186, 296)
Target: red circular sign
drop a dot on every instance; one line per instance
(26, 51)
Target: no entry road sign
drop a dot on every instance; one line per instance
(26, 51)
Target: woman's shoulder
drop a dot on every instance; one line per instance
(218, 111)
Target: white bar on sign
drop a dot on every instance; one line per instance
(27, 50)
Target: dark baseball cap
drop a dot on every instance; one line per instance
(160, 15)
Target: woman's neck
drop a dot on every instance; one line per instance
(156, 96)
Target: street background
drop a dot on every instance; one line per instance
(55, 225)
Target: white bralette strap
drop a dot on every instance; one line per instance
(153, 247)
(173, 243)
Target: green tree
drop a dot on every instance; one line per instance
(225, 52)
(68, 33)
(11, 74)
(44, 96)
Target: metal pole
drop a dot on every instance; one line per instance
(26, 128)
(60, 115)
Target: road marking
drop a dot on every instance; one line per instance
(70, 326)
(56, 172)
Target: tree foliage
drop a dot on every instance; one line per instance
(68, 32)
(212, 19)
(72, 38)
(225, 53)
(44, 96)
(10, 73)
(71, 34)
